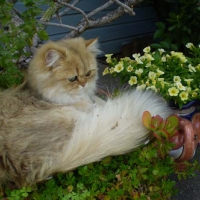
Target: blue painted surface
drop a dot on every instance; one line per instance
(113, 35)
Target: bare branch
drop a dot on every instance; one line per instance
(74, 8)
(60, 25)
(126, 8)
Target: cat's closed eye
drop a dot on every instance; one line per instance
(88, 73)
(72, 79)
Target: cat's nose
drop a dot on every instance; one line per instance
(83, 84)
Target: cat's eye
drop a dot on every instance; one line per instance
(72, 79)
(88, 73)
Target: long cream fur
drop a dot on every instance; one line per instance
(38, 139)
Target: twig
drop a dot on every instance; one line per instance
(126, 8)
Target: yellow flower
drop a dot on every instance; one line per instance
(141, 87)
(136, 55)
(108, 58)
(138, 71)
(149, 57)
(177, 79)
(112, 70)
(138, 61)
(188, 81)
(180, 86)
(161, 51)
(191, 68)
(184, 96)
(129, 68)
(173, 91)
(148, 64)
(163, 59)
(198, 67)
(147, 49)
(133, 80)
(119, 67)
(106, 71)
(152, 88)
(159, 72)
(152, 75)
(194, 94)
(189, 45)
(179, 55)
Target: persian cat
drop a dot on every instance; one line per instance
(65, 72)
(43, 136)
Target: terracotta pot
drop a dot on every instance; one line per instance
(186, 139)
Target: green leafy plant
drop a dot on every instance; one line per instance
(173, 75)
(142, 174)
(161, 128)
(15, 38)
(182, 26)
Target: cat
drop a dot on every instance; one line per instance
(39, 139)
(65, 72)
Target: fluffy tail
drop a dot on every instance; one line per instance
(112, 129)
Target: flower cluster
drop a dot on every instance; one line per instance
(174, 75)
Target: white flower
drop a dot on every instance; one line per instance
(180, 86)
(108, 58)
(136, 55)
(173, 91)
(138, 71)
(129, 68)
(133, 80)
(138, 61)
(147, 49)
(159, 72)
(163, 59)
(189, 45)
(184, 96)
(119, 67)
(141, 87)
(188, 81)
(152, 88)
(191, 68)
(177, 79)
(106, 71)
(152, 75)
(149, 56)
(161, 51)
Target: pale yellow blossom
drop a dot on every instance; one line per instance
(133, 80)
(184, 96)
(198, 67)
(147, 49)
(149, 56)
(141, 87)
(152, 88)
(108, 58)
(138, 61)
(112, 70)
(161, 51)
(106, 71)
(136, 55)
(119, 67)
(188, 81)
(148, 64)
(194, 94)
(177, 79)
(152, 75)
(159, 72)
(129, 68)
(180, 86)
(179, 55)
(163, 59)
(191, 68)
(139, 71)
(189, 45)
(173, 91)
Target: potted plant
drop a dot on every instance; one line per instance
(173, 75)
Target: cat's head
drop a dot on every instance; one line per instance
(65, 68)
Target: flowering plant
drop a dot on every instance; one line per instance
(174, 75)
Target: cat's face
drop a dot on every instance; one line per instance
(65, 67)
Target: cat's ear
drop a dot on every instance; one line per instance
(51, 57)
(93, 46)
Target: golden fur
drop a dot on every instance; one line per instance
(65, 72)
(43, 136)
